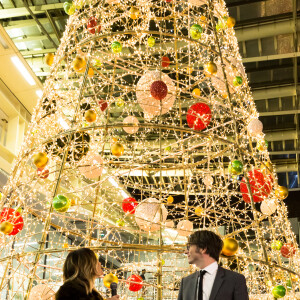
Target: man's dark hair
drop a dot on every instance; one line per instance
(207, 240)
(144, 270)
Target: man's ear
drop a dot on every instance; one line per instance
(204, 251)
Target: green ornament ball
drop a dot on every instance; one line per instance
(276, 245)
(151, 41)
(69, 8)
(235, 167)
(61, 203)
(120, 223)
(195, 31)
(169, 148)
(140, 298)
(279, 291)
(116, 47)
(237, 81)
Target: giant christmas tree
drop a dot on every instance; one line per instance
(146, 131)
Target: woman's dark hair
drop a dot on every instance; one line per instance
(81, 265)
(207, 240)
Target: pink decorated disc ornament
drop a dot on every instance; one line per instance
(129, 205)
(197, 2)
(150, 105)
(185, 228)
(198, 116)
(255, 127)
(232, 69)
(148, 214)
(42, 292)
(260, 185)
(131, 120)
(14, 217)
(135, 283)
(92, 166)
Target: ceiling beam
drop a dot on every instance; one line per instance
(22, 11)
(15, 24)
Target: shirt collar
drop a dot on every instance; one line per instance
(212, 268)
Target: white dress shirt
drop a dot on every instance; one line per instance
(208, 280)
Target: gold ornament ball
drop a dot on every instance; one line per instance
(210, 68)
(110, 278)
(78, 63)
(230, 22)
(65, 245)
(198, 211)
(230, 247)
(117, 149)
(196, 93)
(90, 116)
(282, 192)
(49, 58)
(170, 199)
(6, 227)
(40, 160)
(134, 13)
(91, 72)
(189, 70)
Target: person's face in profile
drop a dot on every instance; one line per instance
(99, 270)
(193, 253)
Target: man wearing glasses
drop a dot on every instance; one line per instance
(211, 282)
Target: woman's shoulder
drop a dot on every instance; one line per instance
(70, 290)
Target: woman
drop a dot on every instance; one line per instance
(80, 271)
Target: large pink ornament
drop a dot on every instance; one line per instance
(131, 120)
(255, 127)
(185, 228)
(198, 116)
(41, 292)
(260, 185)
(268, 207)
(92, 167)
(158, 90)
(148, 214)
(135, 283)
(232, 69)
(151, 106)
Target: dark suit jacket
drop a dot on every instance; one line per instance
(72, 290)
(228, 285)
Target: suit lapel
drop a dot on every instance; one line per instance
(217, 283)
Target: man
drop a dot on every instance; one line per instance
(143, 274)
(211, 282)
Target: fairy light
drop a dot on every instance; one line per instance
(164, 157)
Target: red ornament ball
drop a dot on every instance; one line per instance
(135, 283)
(168, 1)
(103, 105)
(42, 173)
(165, 61)
(129, 204)
(14, 217)
(158, 90)
(198, 116)
(260, 185)
(92, 25)
(288, 250)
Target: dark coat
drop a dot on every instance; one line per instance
(228, 285)
(72, 290)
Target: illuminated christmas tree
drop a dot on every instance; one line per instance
(146, 131)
